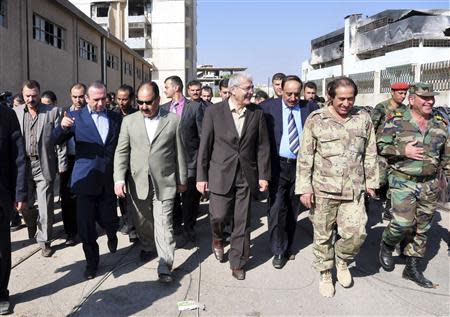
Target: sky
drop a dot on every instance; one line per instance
(275, 36)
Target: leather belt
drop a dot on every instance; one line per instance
(417, 179)
(33, 158)
(288, 160)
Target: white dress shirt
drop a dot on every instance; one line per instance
(150, 126)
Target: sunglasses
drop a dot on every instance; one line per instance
(147, 102)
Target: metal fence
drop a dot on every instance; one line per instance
(364, 81)
(390, 75)
(437, 74)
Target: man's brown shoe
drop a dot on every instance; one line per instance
(238, 274)
(217, 248)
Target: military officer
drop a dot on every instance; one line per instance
(337, 166)
(415, 144)
(379, 113)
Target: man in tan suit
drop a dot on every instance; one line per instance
(150, 147)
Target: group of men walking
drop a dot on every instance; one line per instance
(160, 159)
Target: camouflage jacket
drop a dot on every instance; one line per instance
(400, 129)
(382, 110)
(337, 160)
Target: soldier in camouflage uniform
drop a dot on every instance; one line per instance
(337, 165)
(379, 114)
(416, 144)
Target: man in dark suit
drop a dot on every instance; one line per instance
(233, 164)
(13, 192)
(285, 119)
(191, 115)
(96, 131)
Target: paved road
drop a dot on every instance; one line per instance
(126, 286)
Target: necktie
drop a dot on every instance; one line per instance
(293, 134)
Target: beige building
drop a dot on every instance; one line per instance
(163, 32)
(54, 43)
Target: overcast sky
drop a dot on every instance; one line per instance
(275, 36)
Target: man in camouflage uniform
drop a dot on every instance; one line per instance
(415, 144)
(337, 165)
(379, 113)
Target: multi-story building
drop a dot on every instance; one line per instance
(210, 75)
(53, 42)
(163, 32)
(391, 46)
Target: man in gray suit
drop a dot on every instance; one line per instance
(150, 147)
(44, 159)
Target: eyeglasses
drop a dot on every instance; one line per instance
(147, 102)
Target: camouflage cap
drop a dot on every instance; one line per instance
(422, 89)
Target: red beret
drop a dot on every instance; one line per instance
(400, 86)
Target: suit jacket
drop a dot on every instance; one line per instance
(93, 169)
(274, 116)
(163, 159)
(221, 149)
(191, 131)
(52, 158)
(13, 184)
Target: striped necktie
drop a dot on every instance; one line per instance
(293, 134)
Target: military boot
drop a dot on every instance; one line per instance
(343, 274)
(411, 272)
(385, 257)
(326, 287)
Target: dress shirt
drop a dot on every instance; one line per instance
(151, 124)
(176, 106)
(238, 117)
(30, 132)
(284, 144)
(101, 122)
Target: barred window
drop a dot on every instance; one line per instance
(127, 69)
(48, 32)
(112, 61)
(88, 51)
(138, 73)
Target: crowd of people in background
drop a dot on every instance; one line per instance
(155, 163)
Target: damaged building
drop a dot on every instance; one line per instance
(391, 46)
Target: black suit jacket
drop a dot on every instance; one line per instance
(191, 131)
(221, 149)
(13, 185)
(274, 116)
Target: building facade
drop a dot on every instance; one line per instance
(210, 75)
(53, 42)
(164, 32)
(391, 46)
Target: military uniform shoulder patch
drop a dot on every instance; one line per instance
(394, 114)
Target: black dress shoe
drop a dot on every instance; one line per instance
(165, 278)
(279, 261)
(385, 257)
(90, 273)
(217, 248)
(411, 272)
(238, 274)
(112, 244)
(46, 250)
(5, 307)
(132, 236)
(31, 232)
(71, 240)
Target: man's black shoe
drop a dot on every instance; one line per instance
(133, 236)
(411, 272)
(90, 273)
(71, 240)
(112, 244)
(32, 232)
(385, 257)
(5, 307)
(16, 222)
(279, 261)
(46, 250)
(165, 278)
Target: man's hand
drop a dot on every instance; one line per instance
(67, 122)
(370, 192)
(181, 188)
(202, 187)
(263, 185)
(307, 200)
(120, 189)
(20, 206)
(413, 152)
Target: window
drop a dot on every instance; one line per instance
(133, 33)
(112, 61)
(127, 69)
(3, 13)
(146, 77)
(140, 52)
(99, 10)
(48, 32)
(88, 51)
(135, 7)
(138, 73)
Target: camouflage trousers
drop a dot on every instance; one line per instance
(349, 218)
(413, 206)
